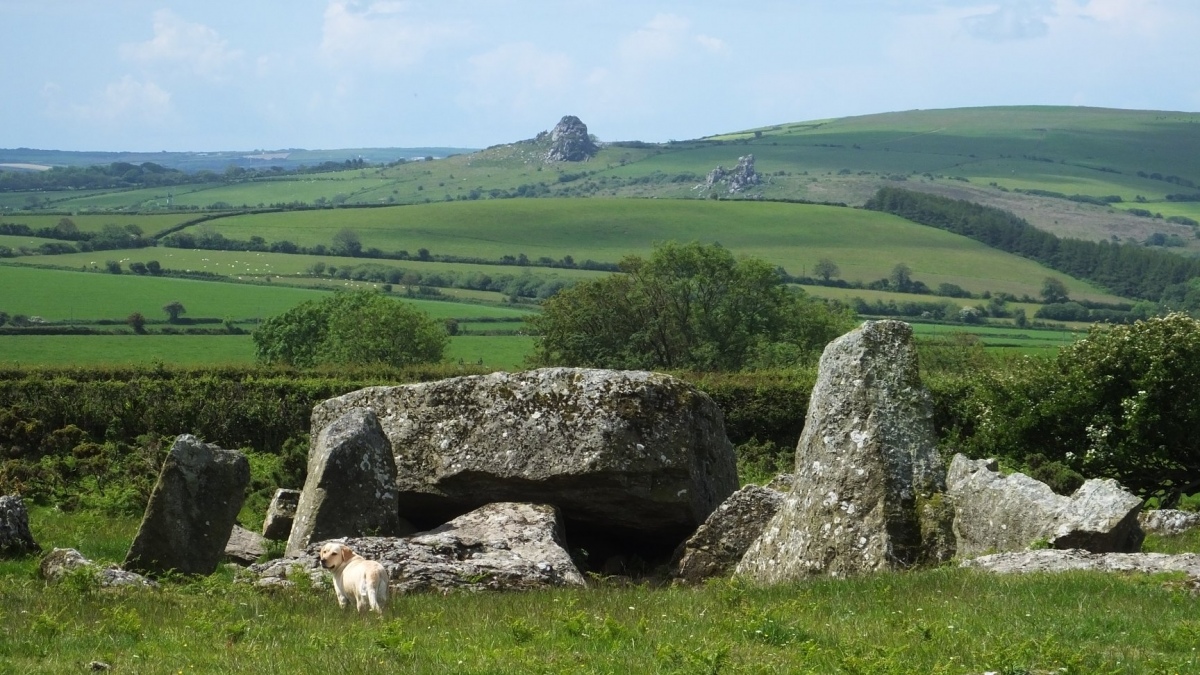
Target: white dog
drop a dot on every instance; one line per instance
(353, 575)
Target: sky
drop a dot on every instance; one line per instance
(208, 75)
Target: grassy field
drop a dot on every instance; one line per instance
(792, 236)
(59, 295)
(946, 620)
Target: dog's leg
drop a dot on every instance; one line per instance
(338, 590)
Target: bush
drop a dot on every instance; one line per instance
(1119, 403)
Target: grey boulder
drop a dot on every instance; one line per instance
(192, 510)
(996, 513)
(15, 537)
(717, 546)
(62, 561)
(627, 455)
(1168, 522)
(1055, 560)
(245, 547)
(868, 477)
(278, 524)
(350, 490)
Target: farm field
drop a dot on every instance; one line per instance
(59, 295)
(865, 245)
(94, 222)
(502, 352)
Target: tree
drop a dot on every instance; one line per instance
(826, 269)
(1054, 290)
(153, 267)
(352, 328)
(687, 306)
(66, 227)
(174, 310)
(112, 266)
(901, 277)
(137, 322)
(346, 243)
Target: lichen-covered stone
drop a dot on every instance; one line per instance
(632, 454)
(1055, 560)
(506, 546)
(866, 468)
(245, 547)
(996, 513)
(570, 141)
(15, 537)
(62, 561)
(717, 546)
(191, 511)
(350, 490)
(1168, 522)
(277, 526)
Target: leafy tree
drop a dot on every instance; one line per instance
(826, 269)
(901, 277)
(687, 306)
(137, 321)
(3, 318)
(174, 310)
(1054, 290)
(112, 266)
(1117, 404)
(346, 243)
(359, 327)
(66, 227)
(153, 267)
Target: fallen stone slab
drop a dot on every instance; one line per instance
(504, 546)
(1056, 560)
(997, 513)
(62, 561)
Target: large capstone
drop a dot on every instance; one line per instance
(350, 490)
(996, 513)
(867, 493)
(15, 537)
(192, 510)
(629, 457)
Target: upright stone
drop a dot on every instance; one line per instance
(350, 490)
(717, 546)
(15, 537)
(280, 514)
(867, 493)
(192, 510)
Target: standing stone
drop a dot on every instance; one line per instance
(280, 515)
(868, 475)
(192, 510)
(570, 142)
(717, 546)
(351, 486)
(15, 537)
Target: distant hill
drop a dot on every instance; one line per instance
(287, 159)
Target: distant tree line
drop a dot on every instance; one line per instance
(1123, 269)
(147, 174)
(110, 237)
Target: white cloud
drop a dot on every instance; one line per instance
(660, 39)
(517, 75)
(192, 45)
(126, 101)
(1020, 20)
(382, 34)
(712, 44)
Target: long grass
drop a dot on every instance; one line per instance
(945, 620)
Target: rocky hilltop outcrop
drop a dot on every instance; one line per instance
(736, 179)
(570, 142)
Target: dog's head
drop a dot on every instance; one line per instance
(334, 555)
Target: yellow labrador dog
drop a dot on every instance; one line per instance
(366, 581)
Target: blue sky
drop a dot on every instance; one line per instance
(271, 74)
